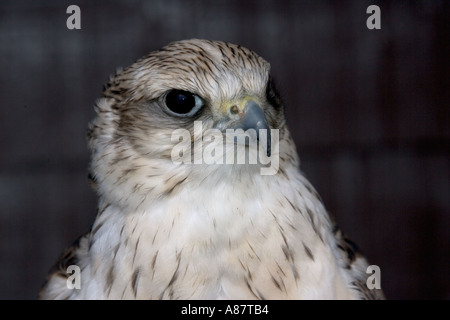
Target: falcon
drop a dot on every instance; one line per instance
(192, 229)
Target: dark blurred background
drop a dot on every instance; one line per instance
(368, 109)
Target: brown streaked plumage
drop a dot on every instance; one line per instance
(198, 230)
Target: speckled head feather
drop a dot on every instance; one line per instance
(198, 230)
(222, 71)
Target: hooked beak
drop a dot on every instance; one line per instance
(249, 115)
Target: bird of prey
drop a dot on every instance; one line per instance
(193, 229)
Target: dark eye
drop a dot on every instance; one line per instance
(183, 102)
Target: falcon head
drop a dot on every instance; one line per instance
(219, 85)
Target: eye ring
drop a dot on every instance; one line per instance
(182, 103)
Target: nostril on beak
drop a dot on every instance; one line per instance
(253, 118)
(234, 109)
